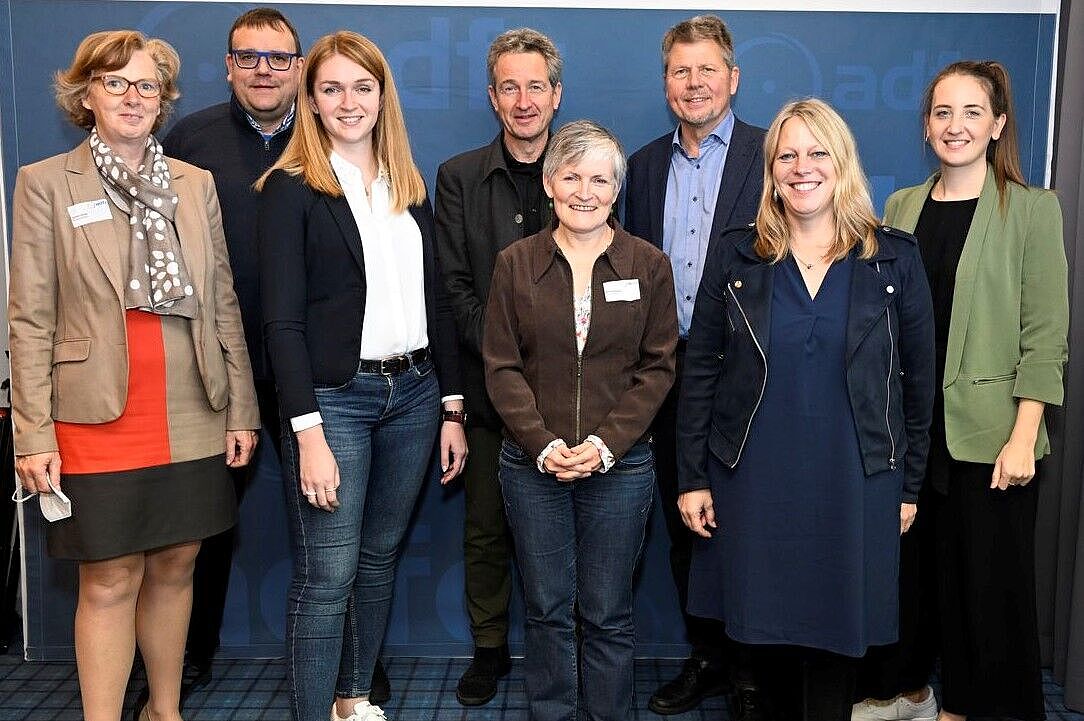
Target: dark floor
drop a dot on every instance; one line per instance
(423, 689)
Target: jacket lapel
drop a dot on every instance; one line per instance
(739, 156)
(751, 287)
(659, 174)
(348, 226)
(85, 185)
(966, 271)
(871, 293)
(190, 231)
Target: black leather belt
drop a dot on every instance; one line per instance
(395, 364)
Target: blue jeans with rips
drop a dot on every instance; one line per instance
(381, 430)
(577, 545)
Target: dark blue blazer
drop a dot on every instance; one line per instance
(312, 279)
(889, 357)
(739, 189)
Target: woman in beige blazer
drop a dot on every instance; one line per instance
(131, 387)
(994, 256)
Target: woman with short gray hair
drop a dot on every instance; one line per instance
(579, 344)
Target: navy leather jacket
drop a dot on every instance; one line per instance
(890, 358)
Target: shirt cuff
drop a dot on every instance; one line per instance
(603, 452)
(453, 397)
(308, 420)
(540, 461)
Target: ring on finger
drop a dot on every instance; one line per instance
(310, 494)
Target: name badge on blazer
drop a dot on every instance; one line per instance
(91, 211)
(622, 290)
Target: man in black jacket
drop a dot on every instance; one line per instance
(683, 189)
(486, 199)
(237, 141)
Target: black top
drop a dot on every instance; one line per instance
(527, 178)
(941, 231)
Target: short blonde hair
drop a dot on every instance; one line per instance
(856, 223)
(308, 152)
(697, 29)
(110, 50)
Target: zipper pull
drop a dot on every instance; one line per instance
(892, 464)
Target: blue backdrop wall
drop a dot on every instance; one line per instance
(871, 66)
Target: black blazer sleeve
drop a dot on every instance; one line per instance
(282, 223)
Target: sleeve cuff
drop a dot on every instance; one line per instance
(308, 420)
(603, 452)
(540, 461)
(453, 397)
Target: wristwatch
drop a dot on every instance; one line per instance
(454, 416)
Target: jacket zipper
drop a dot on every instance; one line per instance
(579, 388)
(763, 382)
(888, 387)
(888, 393)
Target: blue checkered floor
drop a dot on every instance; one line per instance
(423, 689)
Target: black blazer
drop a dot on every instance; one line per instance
(312, 281)
(739, 189)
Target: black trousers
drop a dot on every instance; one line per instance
(706, 636)
(211, 577)
(985, 542)
(801, 684)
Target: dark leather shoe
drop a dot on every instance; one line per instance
(478, 684)
(748, 705)
(380, 688)
(697, 681)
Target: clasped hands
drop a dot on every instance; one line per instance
(570, 464)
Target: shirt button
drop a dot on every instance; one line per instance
(688, 297)
(890, 289)
(692, 231)
(690, 264)
(737, 284)
(518, 219)
(694, 198)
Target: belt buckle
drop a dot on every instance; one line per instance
(385, 366)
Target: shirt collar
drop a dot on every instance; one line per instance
(721, 134)
(348, 173)
(286, 124)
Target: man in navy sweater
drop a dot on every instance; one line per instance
(237, 141)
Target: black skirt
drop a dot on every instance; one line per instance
(114, 514)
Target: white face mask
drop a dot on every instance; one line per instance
(55, 506)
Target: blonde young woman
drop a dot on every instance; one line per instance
(803, 421)
(363, 347)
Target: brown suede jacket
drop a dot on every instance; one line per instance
(536, 379)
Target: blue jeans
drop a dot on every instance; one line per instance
(381, 430)
(577, 545)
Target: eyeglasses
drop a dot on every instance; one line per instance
(116, 85)
(509, 90)
(249, 59)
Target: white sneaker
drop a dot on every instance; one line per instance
(365, 711)
(898, 709)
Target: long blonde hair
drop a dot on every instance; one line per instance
(856, 223)
(307, 153)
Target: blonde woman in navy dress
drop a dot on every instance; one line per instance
(803, 420)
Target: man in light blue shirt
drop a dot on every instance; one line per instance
(683, 189)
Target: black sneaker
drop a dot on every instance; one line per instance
(748, 705)
(478, 684)
(380, 688)
(697, 681)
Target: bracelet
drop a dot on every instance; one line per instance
(454, 416)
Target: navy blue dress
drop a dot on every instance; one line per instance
(807, 547)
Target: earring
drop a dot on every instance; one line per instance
(775, 194)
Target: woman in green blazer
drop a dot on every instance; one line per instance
(994, 257)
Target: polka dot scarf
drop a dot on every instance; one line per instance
(158, 281)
